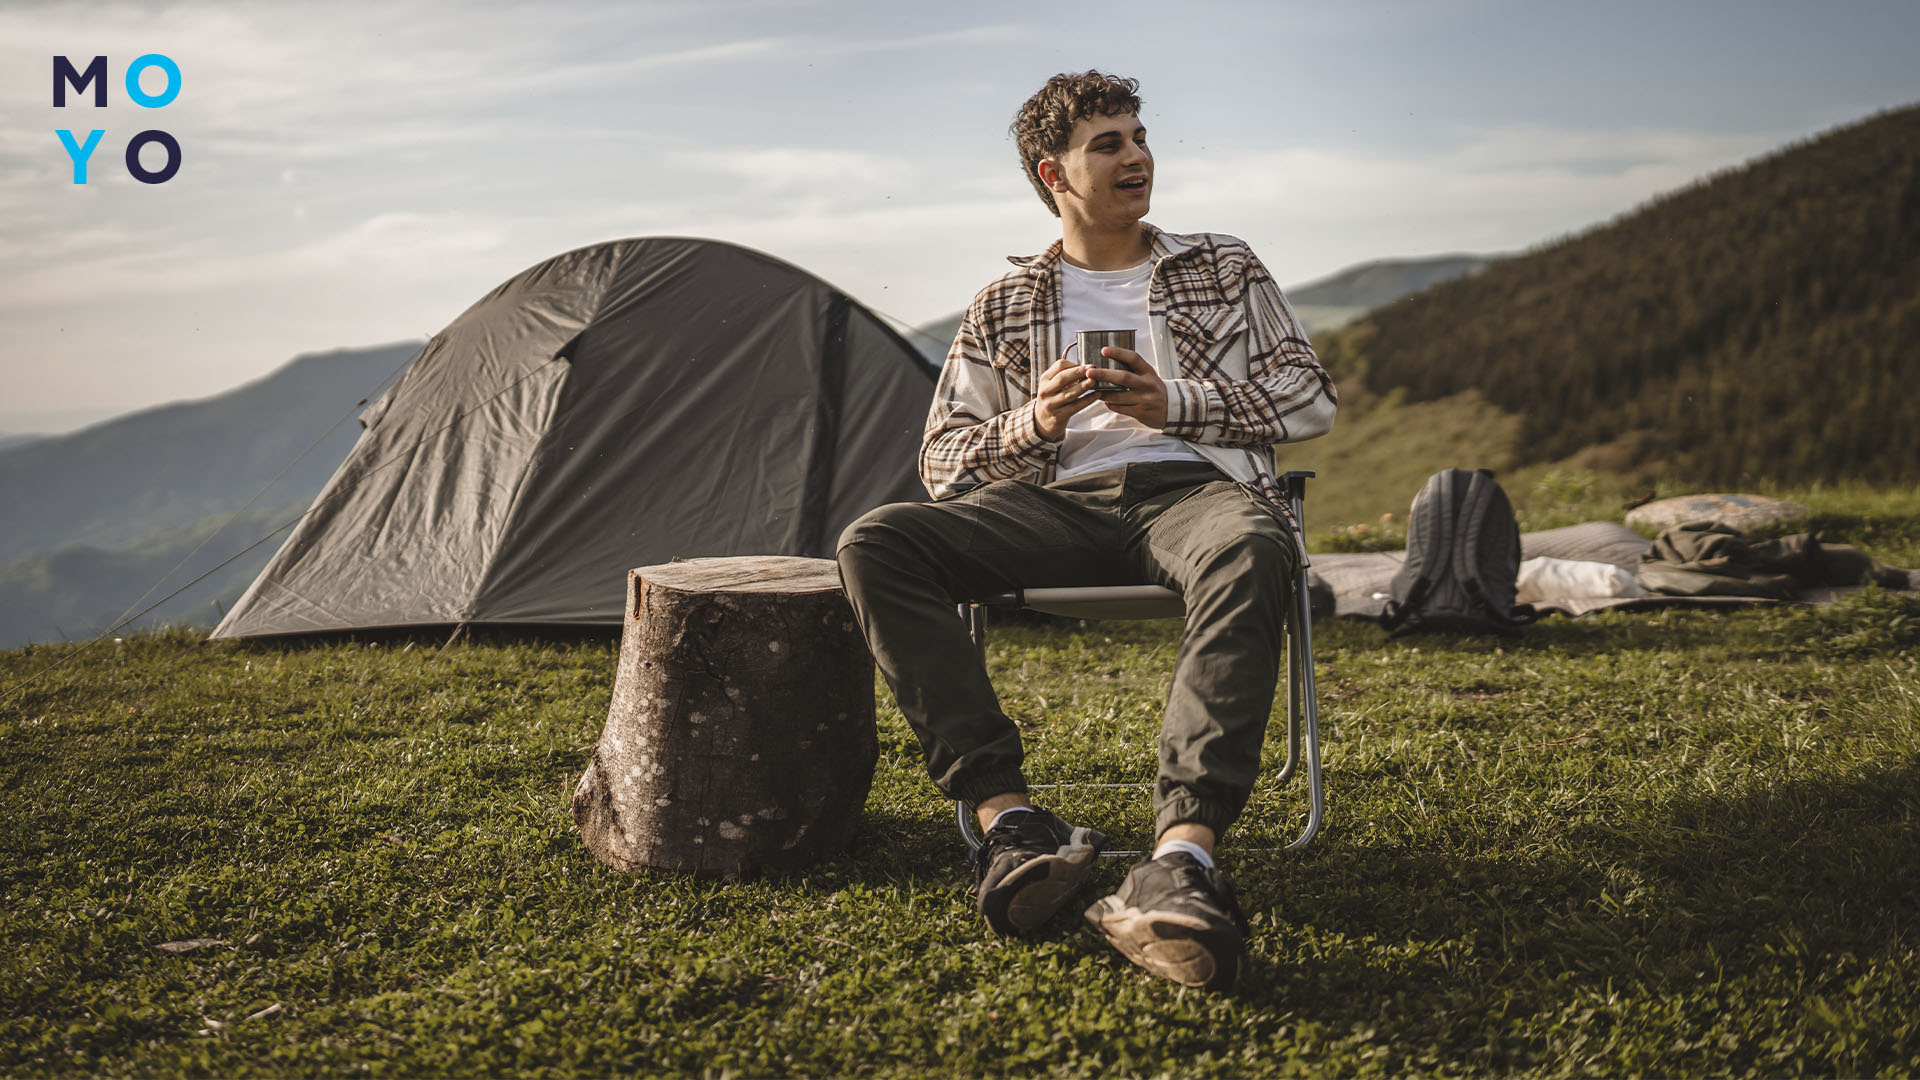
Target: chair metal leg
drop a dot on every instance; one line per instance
(964, 818)
(1303, 712)
(1303, 707)
(1292, 763)
(975, 616)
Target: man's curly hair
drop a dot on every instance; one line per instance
(1041, 127)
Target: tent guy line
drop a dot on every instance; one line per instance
(268, 486)
(126, 621)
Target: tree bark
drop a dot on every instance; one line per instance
(741, 736)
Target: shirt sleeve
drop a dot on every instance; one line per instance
(980, 426)
(1286, 397)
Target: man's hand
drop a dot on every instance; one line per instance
(1143, 395)
(1065, 389)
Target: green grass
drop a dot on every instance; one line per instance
(1675, 843)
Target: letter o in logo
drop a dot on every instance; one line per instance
(138, 171)
(164, 97)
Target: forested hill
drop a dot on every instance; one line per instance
(1762, 324)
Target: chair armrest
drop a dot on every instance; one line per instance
(1107, 602)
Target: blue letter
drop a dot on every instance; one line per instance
(64, 75)
(133, 157)
(154, 101)
(79, 154)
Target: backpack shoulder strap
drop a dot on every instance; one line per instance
(1428, 532)
(1473, 513)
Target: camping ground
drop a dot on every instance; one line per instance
(1668, 843)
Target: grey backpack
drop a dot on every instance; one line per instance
(1463, 557)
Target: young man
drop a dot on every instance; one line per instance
(1039, 478)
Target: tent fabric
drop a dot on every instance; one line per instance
(616, 406)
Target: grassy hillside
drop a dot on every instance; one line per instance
(1760, 326)
(1630, 845)
(120, 483)
(1384, 448)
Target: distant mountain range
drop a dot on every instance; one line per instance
(92, 513)
(1323, 305)
(80, 591)
(934, 339)
(1334, 301)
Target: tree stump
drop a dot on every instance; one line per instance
(741, 736)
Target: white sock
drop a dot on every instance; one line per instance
(1002, 815)
(1187, 846)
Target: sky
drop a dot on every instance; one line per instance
(355, 173)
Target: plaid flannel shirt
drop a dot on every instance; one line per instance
(1247, 376)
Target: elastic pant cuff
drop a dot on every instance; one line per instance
(1191, 811)
(978, 789)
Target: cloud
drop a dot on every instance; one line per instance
(814, 173)
(1536, 146)
(390, 250)
(1312, 211)
(969, 35)
(404, 242)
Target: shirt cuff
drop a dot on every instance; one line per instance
(1024, 440)
(1187, 408)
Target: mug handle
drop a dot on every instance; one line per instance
(1070, 348)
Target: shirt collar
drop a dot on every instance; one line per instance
(1161, 245)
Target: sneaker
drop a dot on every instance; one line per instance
(1028, 868)
(1177, 919)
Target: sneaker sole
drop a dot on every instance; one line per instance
(1040, 887)
(1182, 948)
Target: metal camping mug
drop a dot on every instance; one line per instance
(1090, 342)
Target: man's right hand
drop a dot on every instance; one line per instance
(1065, 389)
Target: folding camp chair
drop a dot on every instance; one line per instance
(1156, 602)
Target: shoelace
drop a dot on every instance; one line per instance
(1002, 835)
(1212, 882)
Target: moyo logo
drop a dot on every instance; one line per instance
(64, 76)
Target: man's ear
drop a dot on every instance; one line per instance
(1050, 175)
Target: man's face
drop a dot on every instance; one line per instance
(1105, 175)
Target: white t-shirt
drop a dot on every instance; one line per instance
(1098, 437)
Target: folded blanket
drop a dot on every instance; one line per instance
(1706, 558)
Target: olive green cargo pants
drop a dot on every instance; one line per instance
(1183, 525)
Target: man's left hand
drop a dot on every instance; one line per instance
(1143, 395)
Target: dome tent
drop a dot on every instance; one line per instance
(612, 407)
